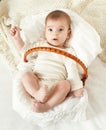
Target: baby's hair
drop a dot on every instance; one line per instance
(58, 14)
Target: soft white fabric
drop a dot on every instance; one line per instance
(95, 14)
(21, 8)
(85, 40)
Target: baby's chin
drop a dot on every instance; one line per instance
(53, 44)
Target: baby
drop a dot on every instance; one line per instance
(52, 76)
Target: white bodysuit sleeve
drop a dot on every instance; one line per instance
(73, 74)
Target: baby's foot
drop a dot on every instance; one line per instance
(40, 107)
(42, 94)
(78, 93)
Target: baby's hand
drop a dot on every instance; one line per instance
(78, 93)
(15, 32)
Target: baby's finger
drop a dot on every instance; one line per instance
(12, 32)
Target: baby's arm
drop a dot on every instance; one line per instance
(75, 81)
(15, 33)
(74, 77)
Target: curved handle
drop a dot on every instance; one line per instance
(55, 50)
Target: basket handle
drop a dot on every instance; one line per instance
(58, 51)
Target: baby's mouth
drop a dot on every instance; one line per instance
(55, 39)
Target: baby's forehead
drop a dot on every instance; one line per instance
(56, 19)
(57, 22)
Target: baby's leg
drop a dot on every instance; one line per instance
(31, 84)
(58, 95)
(42, 94)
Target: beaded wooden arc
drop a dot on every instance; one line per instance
(55, 50)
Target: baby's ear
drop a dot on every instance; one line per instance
(69, 34)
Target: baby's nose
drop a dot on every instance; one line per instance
(56, 32)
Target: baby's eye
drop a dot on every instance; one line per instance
(50, 30)
(61, 29)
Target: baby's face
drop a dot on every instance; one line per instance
(57, 32)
